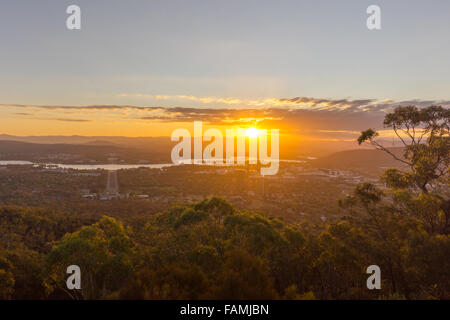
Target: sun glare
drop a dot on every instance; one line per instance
(252, 132)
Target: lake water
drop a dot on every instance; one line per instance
(14, 162)
(102, 166)
(87, 166)
(113, 166)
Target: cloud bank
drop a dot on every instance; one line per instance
(298, 115)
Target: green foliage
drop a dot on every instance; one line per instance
(103, 251)
(6, 284)
(190, 216)
(210, 250)
(367, 135)
(425, 135)
(244, 276)
(429, 261)
(396, 179)
(411, 221)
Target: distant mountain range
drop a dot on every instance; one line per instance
(78, 149)
(95, 151)
(92, 140)
(289, 148)
(365, 160)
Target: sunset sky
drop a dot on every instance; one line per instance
(143, 68)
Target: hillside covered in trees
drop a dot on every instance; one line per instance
(211, 251)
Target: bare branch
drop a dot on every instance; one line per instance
(380, 147)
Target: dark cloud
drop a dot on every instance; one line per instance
(299, 114)
(327, 103)
(335, 115)
(72, 120)
(80, 108)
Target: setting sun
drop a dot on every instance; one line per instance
(252, 132)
